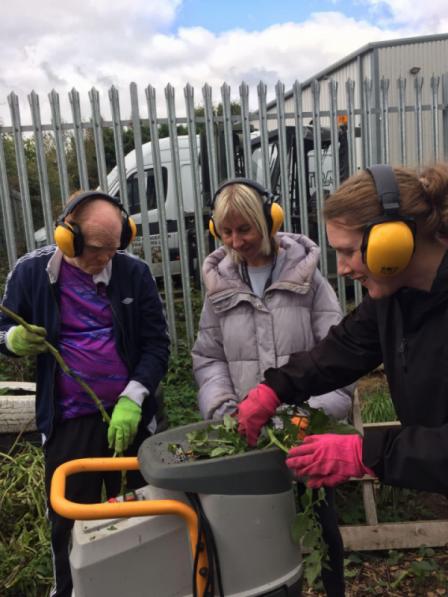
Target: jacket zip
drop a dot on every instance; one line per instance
(118, 323)
(402, 350)
(55, 294)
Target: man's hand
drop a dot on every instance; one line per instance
(328, 459)
(123, 424)
(255, 411)
(25, 343)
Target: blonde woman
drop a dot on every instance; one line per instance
(265, 300)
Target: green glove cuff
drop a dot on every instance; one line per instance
(124, 424)
(24, 343)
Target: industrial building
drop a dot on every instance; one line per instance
(399, 98)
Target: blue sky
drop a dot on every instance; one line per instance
(254, 15)
(83, 44)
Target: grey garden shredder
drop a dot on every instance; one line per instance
(204, 528)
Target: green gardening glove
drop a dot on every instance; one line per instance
(123, 424)
(24, 343)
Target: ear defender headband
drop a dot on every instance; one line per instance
(389, 241)
(272, 210)
(68, 236)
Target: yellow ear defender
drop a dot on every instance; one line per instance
(389, 241)
(273, 211)
(68, 236)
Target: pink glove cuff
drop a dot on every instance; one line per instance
(270, 398)
(357, 445)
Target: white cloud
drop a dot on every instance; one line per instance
(428, 17)
(98, 43)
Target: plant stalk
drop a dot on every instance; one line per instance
(57, 355)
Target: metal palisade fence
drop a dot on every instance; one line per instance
(165, 170)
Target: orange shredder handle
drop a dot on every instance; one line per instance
(75, 511)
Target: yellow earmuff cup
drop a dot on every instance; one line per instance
(277, 216)
(390, 248)
(64, 239)
(211, 228)
(133, 227)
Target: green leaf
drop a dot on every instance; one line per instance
(311, 538)
(299, 527)
(221, 451)
(312, 564)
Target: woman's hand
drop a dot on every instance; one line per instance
(255, 411)
(328, 459)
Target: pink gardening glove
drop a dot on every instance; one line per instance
(328, 459)
(255, 411)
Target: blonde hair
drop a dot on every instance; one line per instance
(247, 202)
(423, 196)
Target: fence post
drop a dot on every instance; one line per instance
(445, 115)
(402, 118)
(160, 199)
(281, 127)
(245, 123)
(94, 98)
(41, 166)
(79, 140)
(300, 153)
(194, 157)
(8, 223)
(114, 100)
(264, 135)
(174, 146)
(418, 84)
(435, 81)
(228, 130)
(59, 145)
(25, 200)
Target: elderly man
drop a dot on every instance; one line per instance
(99, 306)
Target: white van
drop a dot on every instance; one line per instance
(169, 188)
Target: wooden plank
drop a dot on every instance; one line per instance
(399, 535)
(368, 495)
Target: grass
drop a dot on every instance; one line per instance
(376, 404)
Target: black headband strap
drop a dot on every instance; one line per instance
(386, 187)
(87, 196)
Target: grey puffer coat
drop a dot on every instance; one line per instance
(241, 335)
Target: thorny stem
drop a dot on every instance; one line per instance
(57, 355)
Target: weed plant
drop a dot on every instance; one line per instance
(25, 563)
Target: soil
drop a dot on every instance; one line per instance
(378, 573)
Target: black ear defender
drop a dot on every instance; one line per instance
(388, 241)
(273, 211)
(68, 236)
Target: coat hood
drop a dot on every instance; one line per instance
(299, 253)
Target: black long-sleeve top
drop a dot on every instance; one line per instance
(408, 332)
